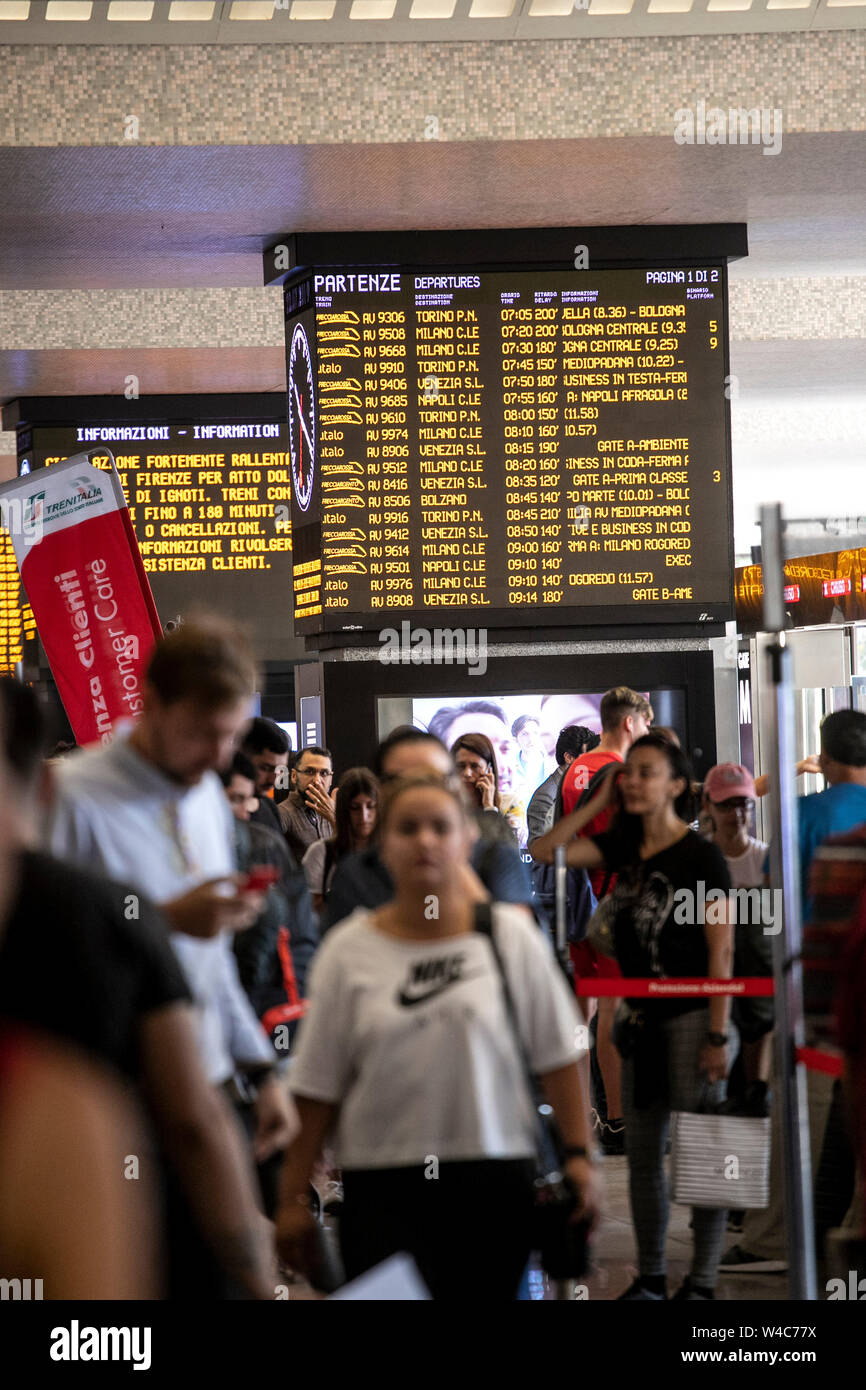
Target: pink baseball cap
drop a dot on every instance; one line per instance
(727, 780)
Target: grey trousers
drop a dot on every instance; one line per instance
(646, 1133)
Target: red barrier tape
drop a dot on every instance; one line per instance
(816, 1060)
(589, 988)
(811, 1057)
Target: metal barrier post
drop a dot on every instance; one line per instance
(790, 1091)
(560, 939)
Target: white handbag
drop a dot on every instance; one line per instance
(720, 1160)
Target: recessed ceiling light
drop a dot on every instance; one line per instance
(432, 9)
(729, 5)
(789, 4)
(610, 6)
(252, 9)
(372, 9)
(68, 9)
(192, 9)
(491, 9)
(130, 9)
(313, 9)
(14, 9)
(548, 8)
(669, 6)
(833, 3)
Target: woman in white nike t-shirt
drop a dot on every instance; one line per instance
(407, 1055)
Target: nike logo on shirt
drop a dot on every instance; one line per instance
(428, 978)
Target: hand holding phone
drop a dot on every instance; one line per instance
(260, 878)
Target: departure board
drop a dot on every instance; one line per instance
(533, 446)
(17, 623)
(210, 504)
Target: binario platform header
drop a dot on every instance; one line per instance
(550, 446)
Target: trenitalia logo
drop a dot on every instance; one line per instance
(33, 509)
(87, 494)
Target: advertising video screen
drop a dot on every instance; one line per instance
(523, 730)
(545, 446)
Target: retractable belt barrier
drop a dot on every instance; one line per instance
(812, 1058)
(588, 988)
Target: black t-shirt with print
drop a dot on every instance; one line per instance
(658, 927)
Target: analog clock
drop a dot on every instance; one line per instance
(302, 417)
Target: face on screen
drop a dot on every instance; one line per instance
(529, 738)
(500, 736)
(560, 711)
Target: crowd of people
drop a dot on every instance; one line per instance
(274, 998)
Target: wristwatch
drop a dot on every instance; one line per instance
(578, 1151)
(717, 1039)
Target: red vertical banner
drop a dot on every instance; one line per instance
(85, 581)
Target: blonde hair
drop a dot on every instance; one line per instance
(618, 703)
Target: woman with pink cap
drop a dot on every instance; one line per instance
(729, 798)
(729, 792)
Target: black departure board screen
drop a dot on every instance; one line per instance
(210, 505)
(534, 446)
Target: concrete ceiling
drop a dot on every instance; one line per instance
(102, 217)
(149, 218)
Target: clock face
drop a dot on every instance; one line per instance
(302, 418)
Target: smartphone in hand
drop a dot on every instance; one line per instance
(260, 878)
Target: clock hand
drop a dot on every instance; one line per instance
(300, 420)
(300, 448)
(306, 432)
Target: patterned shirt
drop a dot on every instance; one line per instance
(836, 880)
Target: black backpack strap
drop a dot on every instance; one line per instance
(558, 809)
(592, 785)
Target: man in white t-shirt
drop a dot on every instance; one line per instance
(149, 810)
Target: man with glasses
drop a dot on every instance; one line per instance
(307, 814)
